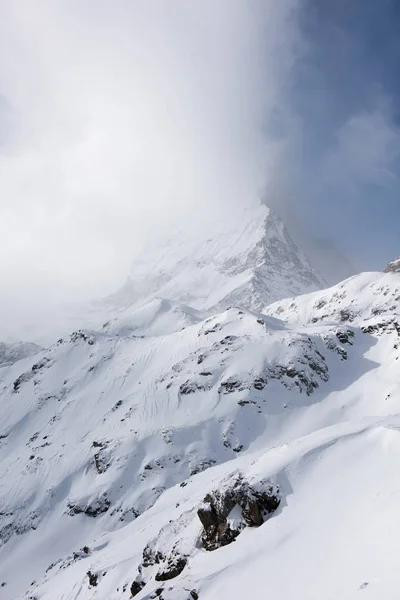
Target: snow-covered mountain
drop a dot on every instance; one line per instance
(133, 455)
(12, 352)
(244, 259)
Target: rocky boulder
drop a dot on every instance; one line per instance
(224, 513)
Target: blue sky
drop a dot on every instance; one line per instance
(349, 72)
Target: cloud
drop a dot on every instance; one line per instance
(118, 116)
(338, 168)
(365, 152)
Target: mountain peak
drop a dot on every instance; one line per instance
(393, 267)
(244, 258)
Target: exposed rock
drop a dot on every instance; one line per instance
(253, 504)
(231, 385)
(382, 327)
(201, 465)
(347, 315)
(252, 513)
(151, 557)
(136, 587)
(117, 405)
(190, 387)
(174, 567)
(82, 335)
(95, 508)
(102, 459)
(335, 347)
(259, 383)
(93, 579)
(17, 525)
(393, 267)
(345, 337)
(208, 330)
(170, 565)
(40, 365)
(227, 340)
(36, 368)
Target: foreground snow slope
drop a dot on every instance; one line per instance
(111, 439)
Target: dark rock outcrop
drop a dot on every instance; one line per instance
(172, 568)
(93, 509)
(136, 587)
(93, 579)
(170, 564)
(253, 504)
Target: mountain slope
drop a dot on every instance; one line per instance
(111, 440)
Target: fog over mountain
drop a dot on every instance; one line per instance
(118, 120)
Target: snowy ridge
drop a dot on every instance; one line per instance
(364, 299)
(118, 446)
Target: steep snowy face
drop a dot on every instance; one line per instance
(131, 458)
(244, 259)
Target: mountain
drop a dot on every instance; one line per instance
(244, 259)
(12, 352)
(178, 454)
